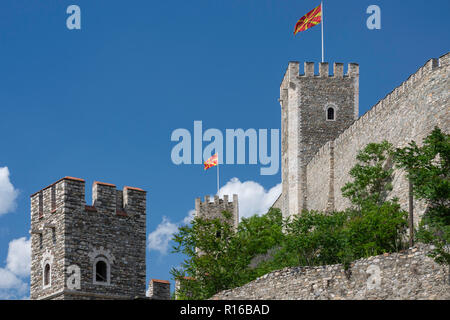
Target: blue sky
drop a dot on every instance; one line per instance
(101, 103)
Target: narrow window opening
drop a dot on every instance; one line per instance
(330, 114)
(101, 272)
(47, 275)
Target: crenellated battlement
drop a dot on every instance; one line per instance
(323, 71)
(70, 192)
(429, 67)
(217, 201)
(213, 209)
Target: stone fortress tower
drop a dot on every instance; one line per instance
(212, 210)
(322, 132)
(88, 252)
(314, 110)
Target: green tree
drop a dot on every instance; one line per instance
(427, 168)
(315, 238)
(376, 225)
(207, 243)
(372, 176)
(218, 257)
(377, 230)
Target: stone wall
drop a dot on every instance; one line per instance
(408, 113)
(320, 172)
(409, 275)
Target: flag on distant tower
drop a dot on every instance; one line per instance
(312, 18)
(211, 162)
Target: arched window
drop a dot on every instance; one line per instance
(47, 275)
(101, 270)
(330, 113)
(46, 265)
(102, 260)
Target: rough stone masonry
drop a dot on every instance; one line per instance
(408, 275)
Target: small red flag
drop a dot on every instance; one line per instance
(312, 18)
(211, 162)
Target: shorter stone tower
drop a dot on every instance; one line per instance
(88, 252)
(212, 210)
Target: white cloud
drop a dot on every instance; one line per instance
(9, 280)
(159, 239)
(12, 284)
(189, 217)
(8, 194)
(253, 198)
(19, 257)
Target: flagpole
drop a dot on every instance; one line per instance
(218, 158)
(323, 56)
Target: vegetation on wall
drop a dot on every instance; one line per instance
(428, 169)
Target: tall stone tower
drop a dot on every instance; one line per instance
(315, 108)
(87, 252)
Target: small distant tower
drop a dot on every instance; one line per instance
(88, 252)
(315, 109)
(212, 210)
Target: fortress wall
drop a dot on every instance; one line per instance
(319, 174)
(409, 275)
(278, 203)
(408, 113)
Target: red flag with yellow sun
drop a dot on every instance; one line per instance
(211, 162)
(311, 19)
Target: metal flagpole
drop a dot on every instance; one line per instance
(218, 174)
(321, 6)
